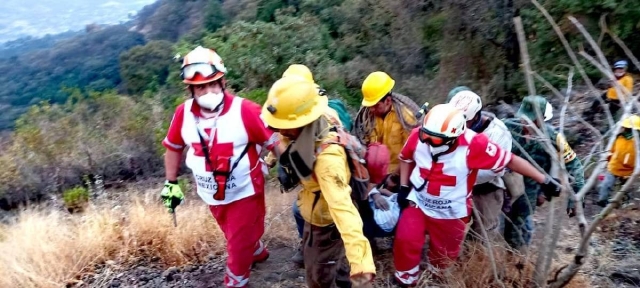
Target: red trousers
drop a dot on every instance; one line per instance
(242, 223)
(445, 240)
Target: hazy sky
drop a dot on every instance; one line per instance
(37, 18)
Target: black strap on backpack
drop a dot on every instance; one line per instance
(485, 125)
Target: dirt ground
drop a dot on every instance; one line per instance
(279, 271)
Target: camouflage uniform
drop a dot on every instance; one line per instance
(519, 232)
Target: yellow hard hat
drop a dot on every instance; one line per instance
(299, 70)
(377, 85)
(293, 103)
(633, 121)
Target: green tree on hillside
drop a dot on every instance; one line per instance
(256, 54)
(89, 61)
(145, 68)
(215, 18)
(172, 19)
(547, 54)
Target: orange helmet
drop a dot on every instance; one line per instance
(202, 66)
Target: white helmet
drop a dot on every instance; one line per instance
(467, 101)
(445, 121)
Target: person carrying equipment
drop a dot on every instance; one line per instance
(519, 228)
(440, 164)
(337, 117)
(336, 253)
(612, 96)
(489, 189)
(622, 159)
(384, 119)
(224, 136)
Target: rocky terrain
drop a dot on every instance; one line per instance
(276, 272)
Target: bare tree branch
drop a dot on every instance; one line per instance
(522, 41)
(627, 51)
(602, 31)
(572, 55)
(559, 95)
(572, 269)
(554, 227)
(594, 45)
(566, 274)
(488, 244)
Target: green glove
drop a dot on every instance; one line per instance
(171, 195)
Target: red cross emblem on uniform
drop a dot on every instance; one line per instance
(436, 178)
(216, 150)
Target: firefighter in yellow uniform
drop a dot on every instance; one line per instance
(612, 97)
(385, 117)
(300, 72)
(336, 253)
(622, 160)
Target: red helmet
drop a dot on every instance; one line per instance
(202, 66)
(378, 158)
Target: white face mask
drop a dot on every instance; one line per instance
(619, 74)
(439, 149)
(210, 100)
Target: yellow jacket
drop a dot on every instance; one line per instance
(335, 206)
(389, 131)
(626, 81)
(623, 157)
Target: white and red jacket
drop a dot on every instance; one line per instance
(227, 134)
(445, 186)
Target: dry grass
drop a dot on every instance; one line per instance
(473, 269)
(45, 248)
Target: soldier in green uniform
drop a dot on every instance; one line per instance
(519, 227)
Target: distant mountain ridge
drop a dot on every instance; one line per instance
(53, 67)
(50, 17)
(28, 44)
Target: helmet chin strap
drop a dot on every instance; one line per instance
(477, 123)
(441, 150)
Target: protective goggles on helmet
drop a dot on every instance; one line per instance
(205, 69)
(427, 137)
